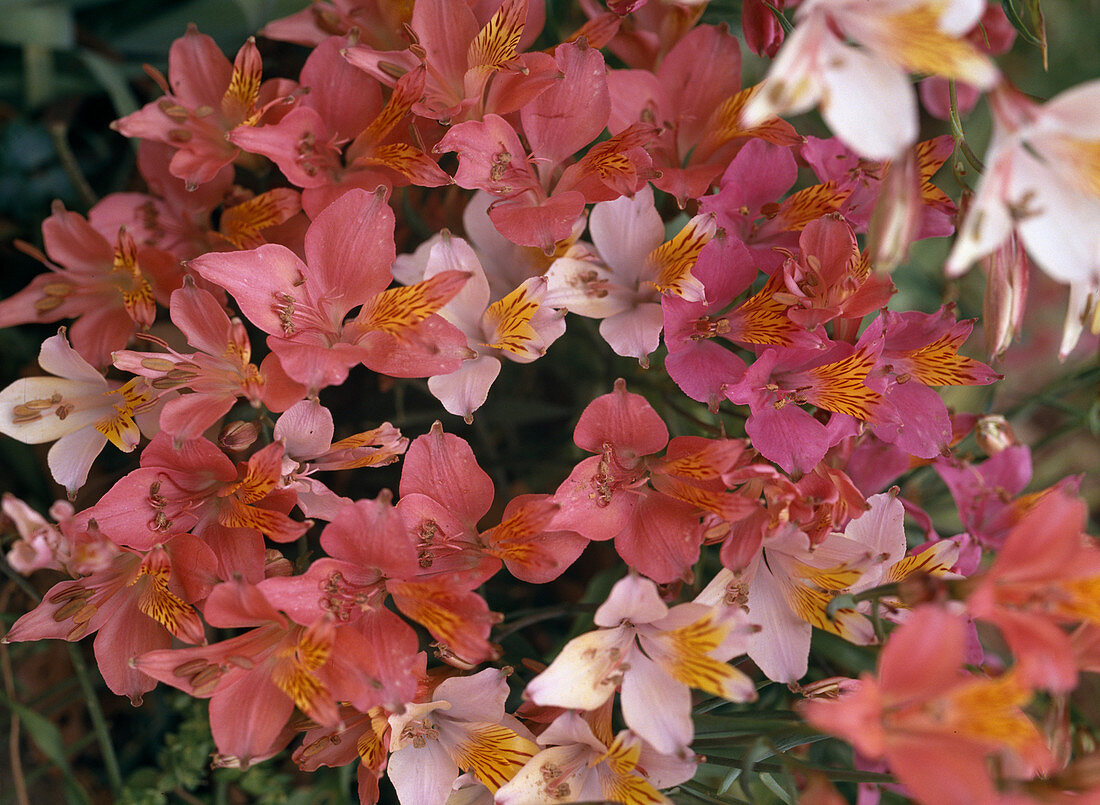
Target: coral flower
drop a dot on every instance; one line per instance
(935, 725)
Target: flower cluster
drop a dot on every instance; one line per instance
(624, 175)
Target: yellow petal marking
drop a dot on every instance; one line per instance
(493, 753)
(120, 428)
(940, 364)
(839, 387)
(725, 125)
(370, 747)
(495, 44)
(399, 309)
(243, 91)
(671, 262)
(810, 604)
(935, 561)
(242, 223)
(919, 45)
(764, 318)
(989, 710)
(809, 204)
(689, 660)
(161, 604)
(510, 319)
(135, 290)
(623, 784)
(294, 670)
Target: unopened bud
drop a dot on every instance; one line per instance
(275, 564)
(994, 434)
(238, 435)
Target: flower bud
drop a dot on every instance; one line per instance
(238, 435)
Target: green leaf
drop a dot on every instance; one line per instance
(48, 738)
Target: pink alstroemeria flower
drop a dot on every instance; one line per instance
(695, 97)
(306, 430)
(78, 408)
(656, 655)
(473, 68)
(205, 98)
(64, 544)
(1046, 574)
(216, 376)
(463, 727)
(136, 603)
(851, 58)
(444, 495)
(303, 305)
(519, 327)
(110, 287)
(636, 269)
(256, 679)
(582, 761)
(935, 725)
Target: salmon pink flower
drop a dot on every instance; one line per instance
(850, 57)
(463, 727)
(256, 679)
(372, 556)
(303, 306)
(695, 97)
(1046, 574)
(78, 408)
(196, 488)
(110, 287)
(473, 68)
(935, 725)
(656, 655)
(216, 375)
(444, 494)
(136, 603)
(205, 98)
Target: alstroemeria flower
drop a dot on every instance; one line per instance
(852, 57)
(136, 603)
(791, 584)
(78, 408)
(205, 98)
(656, 655)
(110, 287)
(463, 727)
(304, 306)
(256, 679)
(306, 430)
(934, 724)
(67, 545)
(1042, 182)
(216, 375)
(473, 68)
(584, 762)
(1047, 574)
(519, 327)
(695, 97)
(637, 268)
